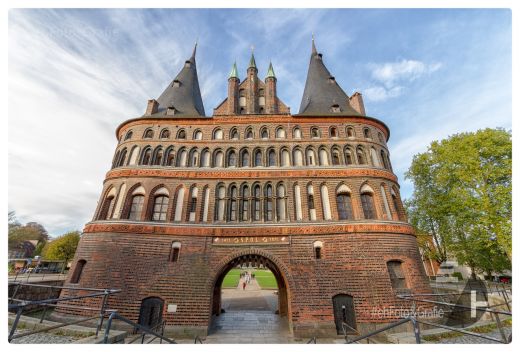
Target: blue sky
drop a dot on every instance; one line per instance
(74, 75)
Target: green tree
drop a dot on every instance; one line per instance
(462, 196)
(62, 247)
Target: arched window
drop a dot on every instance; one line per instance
(333, 132)
(297, 157)
(344, 203)
(361, 156)
(281, 210)
(366, 133)
(317, 246)
(367, 202)
(232, 204)
(258, 157)
(325, 202)
(232, 159)
(233, 134)
(148, 134)
(181, 134)
(397, 206)
(249, 133)
(268, 203)
(218, 159)
(271, 158)
(175, 252)
(315, 132)
(193, 204)
(205, 158)
(108, 205)
(311, 157)
(165, 133)
(257, 209)
(245, 204)
(373, 157)
(385, 202)
(285, 159)
(122, 158)
(349, 156)
(179, 204)
(78, 270)
(194, 158)
(136, 207)
(297, 133)
(310, 203)
(350, 132)
(157, 156)
(245, 159)
(218, 134)
(324, 157)
(182, 158)
(383, 159)
(395, 271)
(116, 159)
(160, 207)
(169, 157)
(134, 153)
(205, 204)
(128, 135)
(220, 204)
(197, 135)
(298, 202)
(146, 156)
(280, 133)
(336, 159)
(264, 133)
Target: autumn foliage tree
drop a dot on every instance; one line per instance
(462, 197)
(62, 247)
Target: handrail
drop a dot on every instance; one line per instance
(390, 326)
(114, 315)
(312, 340)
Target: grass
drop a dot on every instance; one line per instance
(265, 279)
(484, 329)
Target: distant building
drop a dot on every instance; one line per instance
(311, 196)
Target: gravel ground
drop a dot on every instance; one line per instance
(42, 338)
(472, 339)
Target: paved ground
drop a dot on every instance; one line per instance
(42, 338)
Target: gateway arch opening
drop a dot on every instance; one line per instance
(250, 296)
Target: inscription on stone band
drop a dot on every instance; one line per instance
(256, 240)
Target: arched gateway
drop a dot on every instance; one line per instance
(253, 258)
(311, 196)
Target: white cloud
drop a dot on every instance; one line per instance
(379, 93)
(406, 70)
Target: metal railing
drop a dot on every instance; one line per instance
(139, 327)
(21, 305)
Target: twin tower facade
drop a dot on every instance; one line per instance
(310, 196)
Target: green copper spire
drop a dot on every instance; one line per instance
(233, 73)
(252, 62)
(270, 71)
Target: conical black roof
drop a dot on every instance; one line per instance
(322, 94)
(183, 93)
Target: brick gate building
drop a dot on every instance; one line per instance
(311, 196)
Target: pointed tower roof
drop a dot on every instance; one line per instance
(234, 71)
(270, 71)
(183, 93)
(322, 94)
(252, 62)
